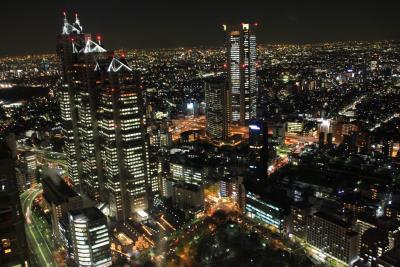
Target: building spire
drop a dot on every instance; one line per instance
(65, 26)
(77, 22)
(71, 28)
(65, 17)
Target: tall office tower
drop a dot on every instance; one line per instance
(241, 53)
(103, 103)
(87, 104)
(258, 144)
(90, 238)
(218, 109)
(123, 139)
(13, 246)
(69, 42)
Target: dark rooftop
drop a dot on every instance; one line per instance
(374, 235)
(392, 257)
(332, 219)
(56, 190)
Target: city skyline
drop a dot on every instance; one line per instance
(157, 24)
(238, 154)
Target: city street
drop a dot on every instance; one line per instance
(37, 230)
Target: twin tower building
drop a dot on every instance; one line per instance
(103, 120)
(233, 100)
(103, 123)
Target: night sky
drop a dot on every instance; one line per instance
(31, 26)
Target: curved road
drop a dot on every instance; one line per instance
(34, 229)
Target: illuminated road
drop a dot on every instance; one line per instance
(53, 160)
(278, 165)
(37, 230)
(199, 123)
(353, 105)
(40, 151)
(294, 139)
(296, 143)
(182, 125)
(386, 120)
(46, 156)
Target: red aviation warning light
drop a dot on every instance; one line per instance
(255, 24)
(98, 37)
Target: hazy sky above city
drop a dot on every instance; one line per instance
(29, 26)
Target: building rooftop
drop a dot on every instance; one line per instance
(302, 205)
(189, 187)
(92, 213)
(333, 219)
(56, 190)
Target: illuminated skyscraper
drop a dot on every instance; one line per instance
(79, 107)
(123, 139)
(66, 48)
(241, 53)
(103, 113)
(218, 111)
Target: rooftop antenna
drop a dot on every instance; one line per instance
(65, 17)
(65, 26)
(77, 22)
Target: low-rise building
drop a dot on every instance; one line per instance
(265, 211)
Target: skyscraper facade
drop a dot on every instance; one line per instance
(218, 109)
(79, 108)
(102, 110)
(123, 140)
(241, 54)
(66, 47)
